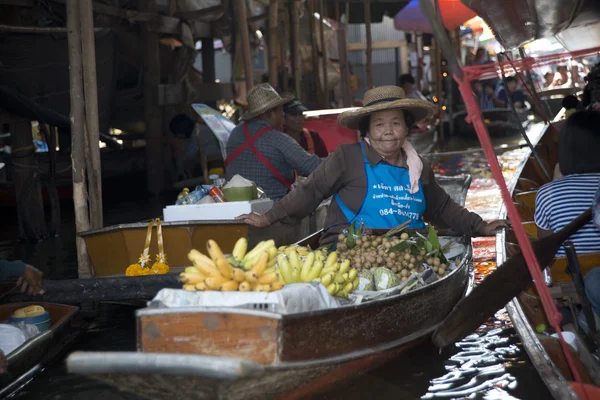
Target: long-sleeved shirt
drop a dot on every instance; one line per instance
(11, 270)
(343, 173)
(280, 149)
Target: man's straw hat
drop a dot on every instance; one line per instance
(387, 98)
(262, 98)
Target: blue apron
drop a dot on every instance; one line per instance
(388, 201)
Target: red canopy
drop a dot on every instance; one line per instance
(454, 14)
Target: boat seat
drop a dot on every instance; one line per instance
(562, 284)
(524, 212)
(527, 185)
(527, 199)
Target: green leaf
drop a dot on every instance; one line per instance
(428, 247)
(433, 237)
(400, 246)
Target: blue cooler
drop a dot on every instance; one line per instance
(32, 315)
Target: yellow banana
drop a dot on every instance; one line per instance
(315, 271)
(272, 253)
(214, 251)
(331, 260)
(240, 248)
(345, 276)
(276, 285)
(224, 268)
(229, 286)
(200, 259)
(191, 270)
(238, 275)
(352, 274)
(258, 250)
(200, 286)
(286, 270)
(332, 289)
(267, 279)
(269, 270)
(342, 294)
(355, 283)
(326, 271)
(191, 278)
(189, 287)
(327, 279)
(262, 288)
(261, 265)
(348, 287)
(281, 249)
(306, 267)
(294, 261)
(251, 277)
(272, 262)
(339, 278)
(244, 287)
(345, 265)
(214, 283)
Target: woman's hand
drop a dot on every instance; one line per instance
(3, 363)
(254, 219)
(31, 281)
(490, 228)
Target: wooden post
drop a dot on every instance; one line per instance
(273, 43)
(283, 43)
(419, 50)
(82, 222)
(322, 11)
(343, 54)
(90, 90)
(315, 52)
(152, 111)
(295, 36)
(369, 50)
(209, 73)
(30, 208)
(242, 23)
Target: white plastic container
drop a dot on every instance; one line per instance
(570, 338)
(215, 211)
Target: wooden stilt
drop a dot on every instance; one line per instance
(315, 52)
(90, 90)
(273, 43)
(82, 222)
(242, 23)
(343, 54)
(322, 11)
(153, 115)
(30, 208)
(296, 9)
(369, 50)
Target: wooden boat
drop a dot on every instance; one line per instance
(235, 353)
(24, 361)
(500, 122)
(525, 311)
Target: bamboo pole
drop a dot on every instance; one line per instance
(90, 89)
(419, 50)
(369, 50)
(343, 58)
(437, 56)
(240, 10)
(322, 11)
(295, 37)
(283, 42)
(315, 53)
(82, 222)
(273, 43)
(152, 111)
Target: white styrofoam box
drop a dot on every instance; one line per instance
(215, 211)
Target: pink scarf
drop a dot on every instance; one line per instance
(415, 165)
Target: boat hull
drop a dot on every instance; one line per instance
(34, 351)
(184, 352)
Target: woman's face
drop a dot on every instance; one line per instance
(387, 131)
(294, 121)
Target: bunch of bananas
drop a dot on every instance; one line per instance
(339, 279)
(300, 250)
(217, 273)
(239, 258)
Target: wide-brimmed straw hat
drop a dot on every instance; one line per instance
(387, 98)
(262, 98)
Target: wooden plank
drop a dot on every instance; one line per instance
(527, 199)
(236, 335)
(385, 44)
(586, 262)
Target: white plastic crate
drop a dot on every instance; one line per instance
(215, 211)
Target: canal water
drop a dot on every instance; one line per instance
(490, 364)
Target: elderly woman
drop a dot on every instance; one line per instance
(382, 180)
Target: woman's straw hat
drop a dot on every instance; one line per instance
(387, 98)
(262, 98)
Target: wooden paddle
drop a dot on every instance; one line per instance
(510, 279)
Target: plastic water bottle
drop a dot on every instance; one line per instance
(183, 198)
(197, 195)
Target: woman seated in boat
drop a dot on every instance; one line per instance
(28, 278)
(500, 96)
(381, 180)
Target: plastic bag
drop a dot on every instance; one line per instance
(30, 331)
(11, 337)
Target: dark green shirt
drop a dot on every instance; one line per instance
(11, 270)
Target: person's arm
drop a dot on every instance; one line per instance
(11, 270)
(28, 278)
(296, 156)
(323, 183)
(440, 208)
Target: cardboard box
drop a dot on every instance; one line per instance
(215, 211)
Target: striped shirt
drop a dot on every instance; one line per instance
(561, 201)
(279, 148)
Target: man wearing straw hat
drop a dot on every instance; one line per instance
(381, 181)
(259, 151)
